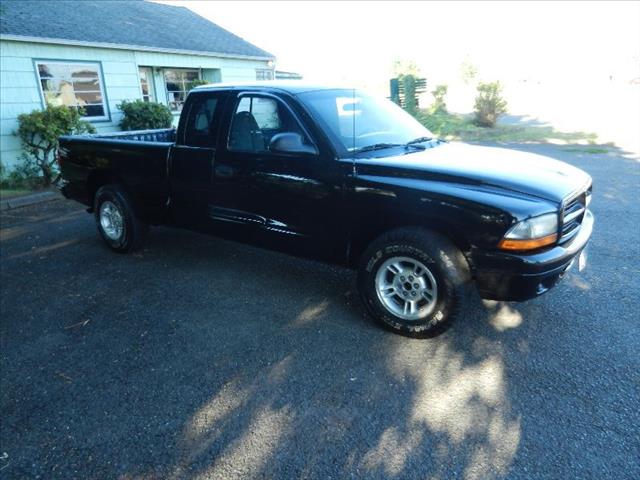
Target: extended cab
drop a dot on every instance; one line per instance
(345, 177)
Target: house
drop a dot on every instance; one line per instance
(94, 54)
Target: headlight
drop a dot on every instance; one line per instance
(531, 233)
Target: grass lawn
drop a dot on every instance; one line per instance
(453, 126)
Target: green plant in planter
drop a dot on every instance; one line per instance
(489, 104)
(39, 131)
(141, 115)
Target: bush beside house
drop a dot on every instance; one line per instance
(141, 115)
(38, 132)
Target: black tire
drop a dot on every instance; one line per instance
(134, 231)
(445, 262)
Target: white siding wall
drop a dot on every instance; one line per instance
(19, 90)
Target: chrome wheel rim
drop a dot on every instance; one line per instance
(406, 288)
(111, 220)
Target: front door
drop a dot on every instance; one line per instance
(291, 201)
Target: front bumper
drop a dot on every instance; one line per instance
(516, 277)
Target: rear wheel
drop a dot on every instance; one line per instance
(413, 281)
(116, 219)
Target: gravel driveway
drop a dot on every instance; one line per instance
(201, 358)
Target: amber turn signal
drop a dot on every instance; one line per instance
(528, 244)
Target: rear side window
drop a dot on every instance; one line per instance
(199, 131)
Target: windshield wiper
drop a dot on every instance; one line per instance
(378, 146)
(419, 140)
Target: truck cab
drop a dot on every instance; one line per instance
(248, 157)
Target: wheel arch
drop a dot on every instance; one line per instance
(100, 178)
(361, 239)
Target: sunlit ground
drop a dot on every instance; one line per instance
(608, 109)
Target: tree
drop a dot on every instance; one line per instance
(39, 132)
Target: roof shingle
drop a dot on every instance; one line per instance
(124, 22)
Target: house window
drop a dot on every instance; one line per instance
(264, 74)
(146, 84)
(74, 84)
(178, 83)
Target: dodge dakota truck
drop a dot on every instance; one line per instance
(342, 176)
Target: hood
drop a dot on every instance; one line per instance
(513, 170)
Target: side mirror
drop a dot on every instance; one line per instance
(290, 142)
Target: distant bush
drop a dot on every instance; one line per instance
(141, 115)
(197, 83)
(439, 105)
(489, 104)
(38, 132)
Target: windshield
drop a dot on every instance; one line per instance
(360, 121)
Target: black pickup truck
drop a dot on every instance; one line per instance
(342, 176)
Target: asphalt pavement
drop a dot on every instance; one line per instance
(201, 358)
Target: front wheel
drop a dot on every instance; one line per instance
(116, 219)
(413, 281)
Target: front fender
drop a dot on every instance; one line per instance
(470, 216)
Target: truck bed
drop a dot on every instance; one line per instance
(136, 159)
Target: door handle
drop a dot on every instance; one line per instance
(224, 171)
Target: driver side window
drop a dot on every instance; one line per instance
(256, 120)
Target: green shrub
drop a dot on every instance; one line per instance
(25, 176)
(39, 132)
(141, 115)
(439, 94)
(489, 104)
(197, 83)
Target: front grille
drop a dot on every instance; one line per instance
(572, 214)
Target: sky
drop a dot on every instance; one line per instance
(358, 42)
